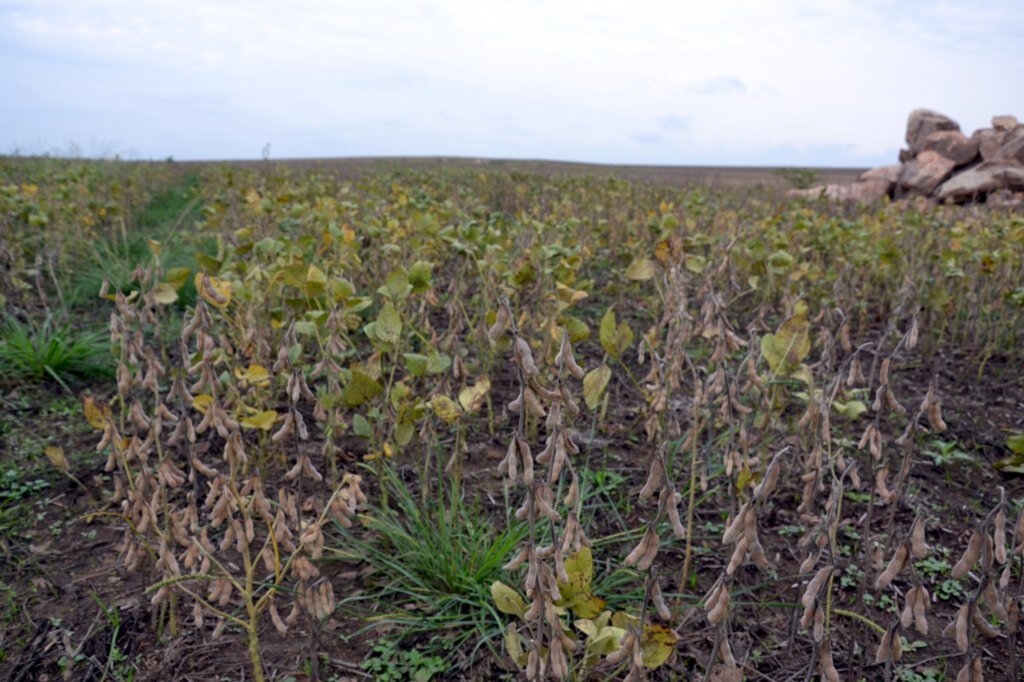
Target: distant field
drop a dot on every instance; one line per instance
(714, 176)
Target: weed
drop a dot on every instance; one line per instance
(434, 563)
(389, 662)
(48, 350)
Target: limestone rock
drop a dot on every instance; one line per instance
(921, 123)
(1005, 122)
(989, 141)
(952, 144)
(888, 173)
(926, 172)
(1012, 147)
(861, 191)
(977, 182)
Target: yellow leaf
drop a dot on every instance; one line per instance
(641, 269)
(316, 281)
(445, 408)
(656, 644)
(165, 293)
(786, 348)
(96, 414)
(215, 291)
(57, 459)
(472, 397)
(576, 593)
(202, 402)
(594, 384)
(507, 599)
(255, 375)
(264, 421)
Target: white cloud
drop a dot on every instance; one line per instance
(793, 80)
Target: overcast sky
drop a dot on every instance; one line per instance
(721, 82)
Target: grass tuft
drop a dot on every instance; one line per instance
(46, 351)
(433, 566)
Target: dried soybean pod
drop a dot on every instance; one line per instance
(814, 586)
(828, 668)
(907, 614)
(918, 546)
(896, 564)
(999, 537)
(969, 558)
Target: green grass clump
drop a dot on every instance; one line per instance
(433, 568)
(38, 352)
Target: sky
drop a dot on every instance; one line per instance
(678, 82)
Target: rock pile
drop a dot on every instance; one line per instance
(942, 163)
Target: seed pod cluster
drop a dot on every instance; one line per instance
(549, 645)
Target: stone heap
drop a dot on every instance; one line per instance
(943, 164)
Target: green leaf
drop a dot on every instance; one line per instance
(578, 330)
(416, 363)
(507, 599)
(404, 432)
(396, 286)
(438, 363)
(851, 408)
(1016, 443)
(361, 426)
(594, 384)
(419, 276)
(360, 388)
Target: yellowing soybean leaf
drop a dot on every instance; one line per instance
(263, 421)
(57, 459)
(316, 281)
(576, 593)
(656, 644)
(215, 291)
(360, 388)
(578, 330)
(165, 294)
(786, 348)
(607, 640)
(95, 413)
(256, 375)
(445, 408)
(623, 620)
(594, 384)
(641, 269)
(514, 645)
(507, 599)
(177, 277)
(202, 402)
(389, 324)
(615, 338)
(472, 398)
